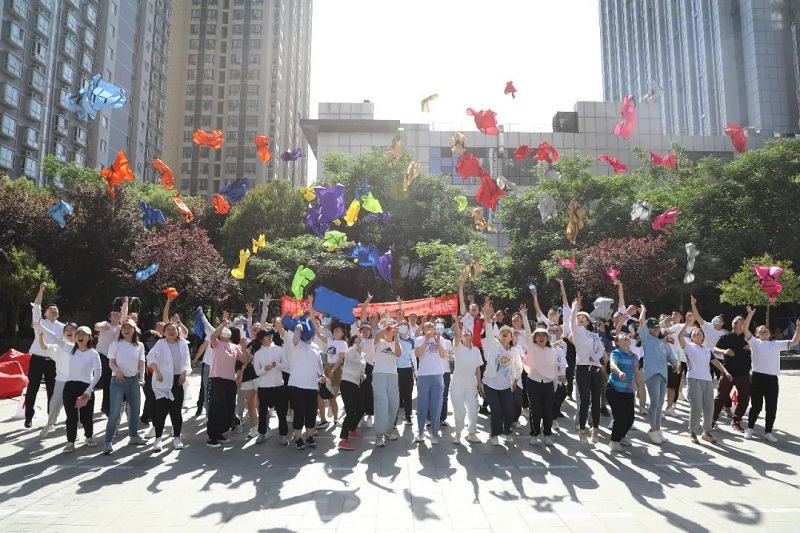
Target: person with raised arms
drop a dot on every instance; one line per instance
(41, 366)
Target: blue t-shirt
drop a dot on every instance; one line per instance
(657, 354)
(626, 362)
(407, 346)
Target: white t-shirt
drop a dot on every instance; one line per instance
(85, 367)
(353, 366)
(430, 364)
(266, 355)
(698, 359)
(712, 336)
(305, 367)
(766, 355)
(126, 356)
(334, 349)
(60, 354)
(447, 344)
(106, 336)
(675, 346)
(385, 360)
(467, 360)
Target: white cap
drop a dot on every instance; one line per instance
(225, 333)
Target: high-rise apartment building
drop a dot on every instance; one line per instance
(241, 67)
(51, 48)
(717, 61)
(132, 51)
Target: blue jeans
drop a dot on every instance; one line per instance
(445, 394)
(129, 389)
(386, 395)
(657, 390)
(430, 393)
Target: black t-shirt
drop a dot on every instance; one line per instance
(739, 364)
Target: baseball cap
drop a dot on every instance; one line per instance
(652, 323)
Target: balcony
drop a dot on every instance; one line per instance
(61, 125)
(19, 8)
(15, 35)
(30, 167)
(39, 52)
(42, 25)
(69, 47)
(9, 95)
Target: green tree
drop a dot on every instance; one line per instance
(63, 177)
(743, 287)
(20, 276)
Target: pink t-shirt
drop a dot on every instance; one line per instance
(223, 360)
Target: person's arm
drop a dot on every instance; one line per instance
(573, 315)
(398, 350)
(442, 351)
(165, 312)
(695, 312)
(265, 309)
(526, 324)
(37, 300)
(478, 379)
(183, 331)
(123, 310)
(215, 336)
(152, 361)
(49, 337)
(200, 351)
(141, 362)
(40, 336)
(462, 307)
(750, 312)
(249, 308)
(456, 332)
(642, 316)
(244, 357)
(185, 363)
(796, 337)
(364, 306)
(721, 368)
(564, 299)
(620, 294)
(97, 372)
(536, 308)
(419, 350)
(615, 369)
(112, 362)
(681, 340)
(102, 326)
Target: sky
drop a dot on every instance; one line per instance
(397, 53)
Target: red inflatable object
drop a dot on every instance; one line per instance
(23, 359)
(12, 379)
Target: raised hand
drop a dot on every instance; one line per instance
(523, 309)
(249, 308)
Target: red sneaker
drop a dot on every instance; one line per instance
(355, 435)
(346, 445)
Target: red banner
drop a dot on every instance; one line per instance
(437, 306)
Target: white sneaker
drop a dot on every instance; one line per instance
(495, 440)
(748, 433)
(655, 437)
(156, 446)
(769, 437)
(392, 434)
(45, 430)
(419, 438)
(380, 442)
(69, 448)
(516, 425)
(595, 436)
(671, 412)
(610, 423)
(584, 436)
(548, 441)
(456, 439)
(177, 443)
(642, 409)
(555, 425)
(90, 442)
(151, 433)
(625, 441)
(661, 437)
(472, 437)
(614, 446)
(369, 421)
(434, 439)
(252, 433)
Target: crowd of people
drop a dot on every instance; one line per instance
(299, 370)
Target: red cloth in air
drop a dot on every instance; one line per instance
(221, 205)
(546, 153)
(618, 166)
(489, 192)
(486, 121)
(117, 173)
(670, 160)
(262, 147)
(629, 117)
(510, 89)
(213, 140)
(468, 166)
(523, 151)
(736, 133)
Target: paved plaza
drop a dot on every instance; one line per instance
(733, 486)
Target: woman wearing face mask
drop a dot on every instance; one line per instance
(590, 357)
(353, 366)
(84, 372)
(620, 393)
(385, 389)
(466, 384)
(58, 350)
(430, 381)
(503, 369)
(270, 363)
(540, 363)
(406, 370)
(126, 361)
(170, 362)
(657, 355)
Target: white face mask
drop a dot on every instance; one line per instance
(403, 329)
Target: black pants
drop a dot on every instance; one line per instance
(201, 398)
(351, 396)
(674, 380)
(622, 404)
(367, 400)
(763, 389)
(304, 403)
(519, 396)
(589, 388)
(40, 367)
(173, 408)
(501, 409)
(72, 391)
(405, 380)
(148, 411)
(724, 388)
(274, 397)
(558, 399)
(571, 364)
(541, 397)
(105, 385)
(715, 375)
(525, 401)
(221, 407)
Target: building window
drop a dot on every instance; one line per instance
(254, 74)
(15, 35)
(194, 29)
(230, 168)
(208, 90)
(35, 109)
(61, 125)
(42, 24)
(39, 52)
(211, 15)
(31, 166)
(113, 8)
(86, 62)
(203, 168)
(31, 139)
(194, 44)
(79, 159)
(19, 7)
(250, 120)
(60, 151)
(252, 105)
(202, 184)
(238, 14)
(88, 39)
(190, 105)
(66, 73)
(188, 121)
(205, 121)
(232, 136)
(191, 74)
(112, 30)
(256, 14)
(110, 53)
(185, 182)
(6, 157)
(187, 152)
(103, 146)
(211, 29)
(250, 136)
(236, 44)
(37, 81)
(233, 122)
(10, 95)
(81, 136)
(190, 89)
(72, 22)
(13, 65)
(255, 29)
(208, 75)
(196, 14)
(187, 136)
(254, 59)
(206, 106)
(104, 121)
(233, 105)
(249, 168)
(237, 29)
(231, 151)
(185, 168)
(192, 59)
(8, 126)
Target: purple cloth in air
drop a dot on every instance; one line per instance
(385, 266)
